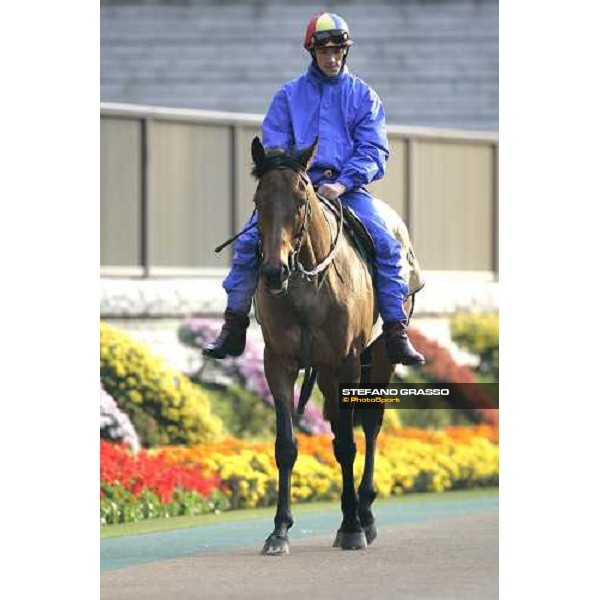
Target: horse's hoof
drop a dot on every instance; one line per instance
(276, 546)
(353, 540)
(370, 532)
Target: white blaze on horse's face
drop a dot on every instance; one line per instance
(330, 59)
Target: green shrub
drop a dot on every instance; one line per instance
(120, 506)
(244, 414)
(479, 334)
(164, 406)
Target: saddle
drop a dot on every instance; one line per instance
(357, 232)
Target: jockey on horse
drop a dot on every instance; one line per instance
(347, 116)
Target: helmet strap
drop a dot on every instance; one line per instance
(347, 49)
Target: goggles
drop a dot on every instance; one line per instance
(336, 36)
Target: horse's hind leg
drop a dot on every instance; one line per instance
(281, 375)
(371, 419)
(350, 535)
(371, 424)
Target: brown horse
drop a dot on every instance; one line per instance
(316, 303)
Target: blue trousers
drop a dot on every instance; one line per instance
(391, 289)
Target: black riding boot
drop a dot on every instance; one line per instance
(232, 339)
(398, 346)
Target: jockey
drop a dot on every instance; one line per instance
(348, 118)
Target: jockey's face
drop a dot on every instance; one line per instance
(330, 59)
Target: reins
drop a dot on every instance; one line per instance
(321, 267)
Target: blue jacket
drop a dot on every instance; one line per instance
(346, 115)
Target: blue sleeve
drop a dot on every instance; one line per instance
(277, 129)
(371, 150)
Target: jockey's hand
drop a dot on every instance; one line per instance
(332, 190)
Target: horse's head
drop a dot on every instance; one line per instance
(283, 209)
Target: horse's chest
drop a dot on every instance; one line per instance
(327, 346)
(316, 326)
(308, 344)
(315, 340)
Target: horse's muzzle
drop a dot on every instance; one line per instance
(276, 278)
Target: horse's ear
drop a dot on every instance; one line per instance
(258, 151)
(307, 156)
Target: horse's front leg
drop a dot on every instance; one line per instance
(350, 535)
(281, 374)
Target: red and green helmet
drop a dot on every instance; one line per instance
(326, 27)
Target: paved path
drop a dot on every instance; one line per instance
(435, 550)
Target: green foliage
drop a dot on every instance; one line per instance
(479, 334)
(164, 406)
(244, 414)
(120, 506)
(432, 417)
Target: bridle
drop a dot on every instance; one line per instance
(262, 164)
(294, 263)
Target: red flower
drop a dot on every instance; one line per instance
(140, 472)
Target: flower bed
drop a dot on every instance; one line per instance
(479, 334)
(140, 486)
(410, 460)
(164, 406)
(238, 474)
(442, 367)
(248, 369)
(115, 425)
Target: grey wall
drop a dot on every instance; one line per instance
(433, 62)
(176, 183)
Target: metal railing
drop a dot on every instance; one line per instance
(175, 183)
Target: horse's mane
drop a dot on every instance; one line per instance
(277, 159)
